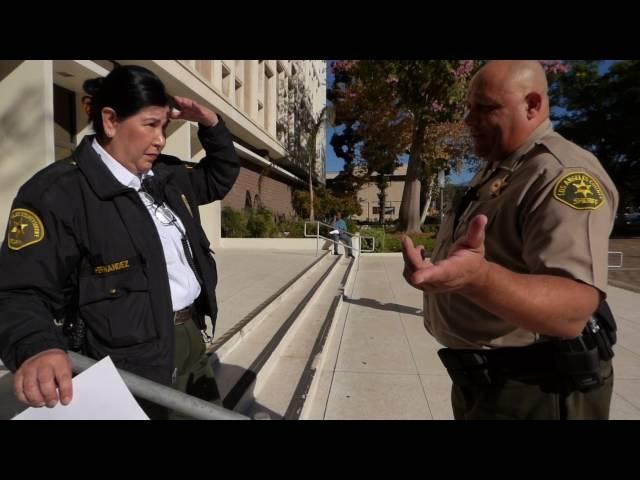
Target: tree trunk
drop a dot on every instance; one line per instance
(427, 204)
(383, 184)
(311, 149)
(382, 196)
(410, 207)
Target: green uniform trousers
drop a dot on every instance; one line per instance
(194, 374)
(522, 399)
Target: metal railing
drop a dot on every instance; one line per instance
(162, 395)
(619, 265)
(318, 236)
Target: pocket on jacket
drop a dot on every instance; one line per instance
(117, 307)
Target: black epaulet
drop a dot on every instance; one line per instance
(50, 175)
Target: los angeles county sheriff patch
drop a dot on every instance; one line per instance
(25, 228)
(579, 191)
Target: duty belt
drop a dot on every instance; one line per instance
(182, 316)
(547, 361)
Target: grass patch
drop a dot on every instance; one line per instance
(389, 241)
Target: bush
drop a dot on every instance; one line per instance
(394, 244)
(432, 220)
(352, 225)
(432, 229)
(325, 204)
(294, 227)
(260, 224)
(378, 234)
(233, 223)
(390, 241)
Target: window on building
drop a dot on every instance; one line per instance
(226, 79)
(387, 210)
(64, 117)
(239, 94)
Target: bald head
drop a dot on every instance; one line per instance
(518, 77)
(507, 101)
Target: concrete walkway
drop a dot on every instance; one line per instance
(387, 366)
(246, 278)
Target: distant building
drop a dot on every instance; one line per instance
(369, 201)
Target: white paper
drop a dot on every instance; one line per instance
(99, 393)
(334, 232)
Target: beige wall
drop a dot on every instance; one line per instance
(209, 214)
(368, 197)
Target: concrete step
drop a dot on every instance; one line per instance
(241, 328)
(318, 390)
(281, 387)
(241, 358)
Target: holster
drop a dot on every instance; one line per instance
(76, 332)
(569, 363)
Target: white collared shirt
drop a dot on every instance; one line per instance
(182, 281)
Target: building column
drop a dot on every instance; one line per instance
(26, 122)
(179, 142)
(211, 214)
(251, 88)
(270, 97)
(217, 75)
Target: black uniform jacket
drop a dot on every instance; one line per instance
(80, 243)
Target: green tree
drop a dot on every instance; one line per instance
(325, 204)
(601, 113)
(396, 104)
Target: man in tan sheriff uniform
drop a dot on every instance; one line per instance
(520, 266)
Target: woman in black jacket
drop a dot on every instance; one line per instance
(110, 240)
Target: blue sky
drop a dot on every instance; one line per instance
(335, 164)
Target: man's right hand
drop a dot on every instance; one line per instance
(464, 267)
(39, 376)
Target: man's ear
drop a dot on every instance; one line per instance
(109, 121)
(534, 104)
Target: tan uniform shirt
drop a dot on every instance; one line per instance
(551, 207)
